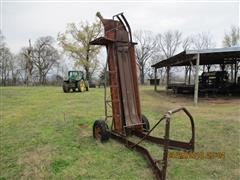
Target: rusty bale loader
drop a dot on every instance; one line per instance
(125, 101)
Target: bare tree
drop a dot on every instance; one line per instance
(45, 55)
(21, 66)
(186, 45)
(144, 50)
(203, 40)
(169, 42)
(28, 54)
(6, 63)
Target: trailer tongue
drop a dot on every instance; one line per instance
(124, 100)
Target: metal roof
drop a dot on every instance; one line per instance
(207, 57)
(216, 50)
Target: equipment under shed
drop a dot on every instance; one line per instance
(216, 81)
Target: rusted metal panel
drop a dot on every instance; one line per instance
(114, 88)
(127, 86)
(134, 77)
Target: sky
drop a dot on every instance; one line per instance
(23, 20)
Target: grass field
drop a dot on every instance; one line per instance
(47, 134)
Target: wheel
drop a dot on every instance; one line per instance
(100, 130)
(78, 86)
(65, 87)
(86, 85)
(81, 86)
(146, 125)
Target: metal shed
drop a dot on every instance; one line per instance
(196, 58)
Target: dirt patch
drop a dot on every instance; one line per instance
(84, 131)
(188, 98)
(35, 163)
(222, 100)
(84, 126)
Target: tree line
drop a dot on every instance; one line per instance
(43, 61)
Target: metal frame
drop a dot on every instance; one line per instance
(159, 167)
(122, 73)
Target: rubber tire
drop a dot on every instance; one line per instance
(104, 131)
(146, 125)
(86, 85)
(79, 86)
(65, 87)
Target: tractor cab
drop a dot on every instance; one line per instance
(75, 75)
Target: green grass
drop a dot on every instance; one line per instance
(47, 134)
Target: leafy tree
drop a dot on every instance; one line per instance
(75, 41)
(232, 38)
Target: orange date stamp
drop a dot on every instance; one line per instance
(196, 155)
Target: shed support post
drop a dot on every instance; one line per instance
(231, 72)
(168, 78)
(196, 80)
(155, 79)
(189, 77)
(235, 75)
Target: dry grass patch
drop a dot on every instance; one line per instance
(35, 162)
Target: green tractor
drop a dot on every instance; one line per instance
(75, 81)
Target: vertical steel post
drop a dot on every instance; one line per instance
(196, 80)
(235, 73)
(189, 75)
(168, 78)
(105, 89)
(155, 79)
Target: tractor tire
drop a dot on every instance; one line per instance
(101, 131)
(146, 125)
(81, 86)
(78, 86)
(65, 87)
(86, 85)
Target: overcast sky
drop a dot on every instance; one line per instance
(23, 20)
